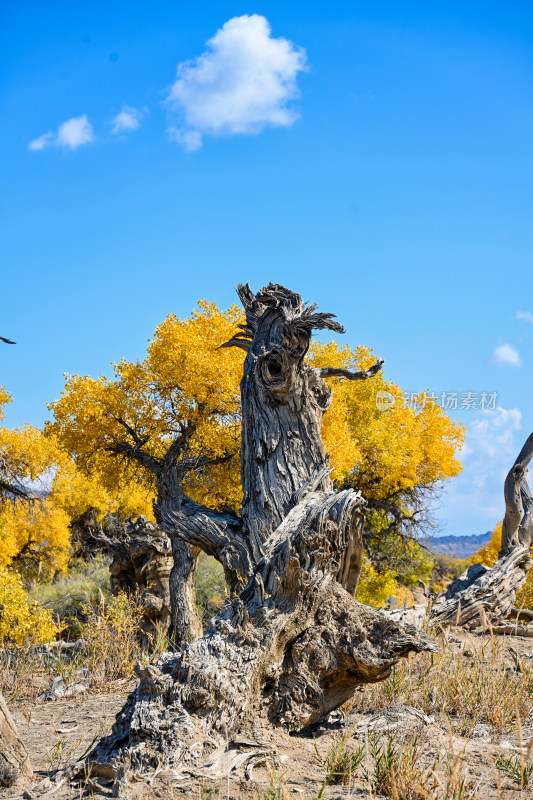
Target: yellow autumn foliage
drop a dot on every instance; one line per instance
(22, 619)
(383, 452)
(185, 385)
(375, 588)
(35, 533)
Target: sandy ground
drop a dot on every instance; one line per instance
(60, 732)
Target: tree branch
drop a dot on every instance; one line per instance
(9, 488)
(217, 533)
(334, 372)
(140, 441)
(136, 454)
(517, 528)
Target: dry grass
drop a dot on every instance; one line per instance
(476, 684)
(111, 647)
(110, 634)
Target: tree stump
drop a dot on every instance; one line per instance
(141, 564)
(292, 643)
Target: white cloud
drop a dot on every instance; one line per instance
(42, 141)
(525, 315)
(242, 83)
(190, 140)
(72, 133)
(75, 132)
(129, 119)
(505, 355)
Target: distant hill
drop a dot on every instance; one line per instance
(459, 546)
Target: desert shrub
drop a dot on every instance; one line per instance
(445, 570)
(375, 587)
(110, 633)
(210, 586)
(22, 620)
(85, 582)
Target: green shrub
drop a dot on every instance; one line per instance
(210, 586)
(83, 582)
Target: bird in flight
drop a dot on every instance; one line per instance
(7, 341)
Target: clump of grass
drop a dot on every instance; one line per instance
(398, 773)
(469, 686)
(277, 788)
(340, 762)
(516, 768)
(22, 670)
(396, 769)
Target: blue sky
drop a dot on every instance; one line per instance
(376, 157)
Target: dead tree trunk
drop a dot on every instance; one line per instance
(15, 767)
(293, 643)
(483, 594)
(141, 564)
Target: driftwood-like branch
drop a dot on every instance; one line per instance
(483, 594)
(15, 767)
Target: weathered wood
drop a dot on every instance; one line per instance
(290, 648)
(483, 595)
(15, 767)
(141, 563)
(517, 527)
(292, 644)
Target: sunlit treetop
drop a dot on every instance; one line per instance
(185, 390)
(388, 452)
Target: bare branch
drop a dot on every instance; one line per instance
(10, 489)
(239, 340)
(334, 372)
(140, 441)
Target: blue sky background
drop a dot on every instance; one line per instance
(400, 198)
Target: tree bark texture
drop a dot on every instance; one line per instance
(292, 643)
